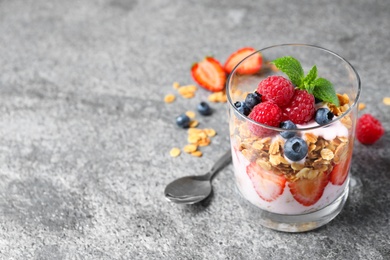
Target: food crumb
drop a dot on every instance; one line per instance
(176, 85)
(386, 101)
(190, 114)
(190, 148)
(187, 91)
(175, 152)
(169, 98)
(194, 123)
(218, 97)
(197, 153)
(362, 106)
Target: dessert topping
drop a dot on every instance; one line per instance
(252, 99)
(277, 89)
(301, 108)
(323, 116)
(288, 125)
(295, 149)
(321, 88)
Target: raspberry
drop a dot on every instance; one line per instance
(267, 113)
(369, 129)
(277, 89)
(301, 108)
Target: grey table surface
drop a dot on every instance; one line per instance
(85, 134)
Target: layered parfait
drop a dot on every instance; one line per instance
(292, 140)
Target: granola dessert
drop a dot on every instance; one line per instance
(292, 141)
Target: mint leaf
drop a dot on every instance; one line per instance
(293, 69)
(319, 87)
(323, 89)
(311, 76)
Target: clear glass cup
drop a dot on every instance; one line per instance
(279, 193)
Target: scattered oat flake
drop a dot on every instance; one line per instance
(175, 152)
(193, 139)
(210, 132)
(190, 148)
(169, 98)
(187, 91)
(361, 106)
(204, 141)
(194, 131)
(218, 97)
(386, 101)
(194, 123)
(176, 85)
(190, 114)
(197, 153)
(188, 95)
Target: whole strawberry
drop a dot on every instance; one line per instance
(369, 129)
(301, 108)
(267, 113)
(277, 89)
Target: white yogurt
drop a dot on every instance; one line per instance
(329, 132)
(285, 203)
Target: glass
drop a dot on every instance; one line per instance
(279, 193)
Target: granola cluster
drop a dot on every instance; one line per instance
(268, 152)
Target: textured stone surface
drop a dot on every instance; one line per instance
(85, 134)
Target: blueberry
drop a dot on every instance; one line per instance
(183, 121)
(290, 126)
(204, 109)
(252, 99)
(242, 108)
(323, 116)
(295, 148)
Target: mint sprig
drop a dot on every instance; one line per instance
(321, 88)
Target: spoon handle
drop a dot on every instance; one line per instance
(222, 162)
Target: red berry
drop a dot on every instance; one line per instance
(267, 113)
(251, 66)
(307, 192)
(277, 89)
(301, 108)
(340, 171)
(369, 129)
(268, 185)
(209, 74)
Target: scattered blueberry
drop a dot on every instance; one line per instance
(183, 121)
(204, 109)
(290, 126)
(323, 116)
(252, 99)
(242, 108)
(295, 149)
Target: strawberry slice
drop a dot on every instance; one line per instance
(209, 74)
(340, 172)
(250, 66)
(308, 192)
(268, 186)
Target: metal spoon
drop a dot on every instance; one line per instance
(192, 189)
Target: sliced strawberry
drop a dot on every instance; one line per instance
(250, 66)
(268, 186)
(340, 172)
(308, 192)
(209, 74)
